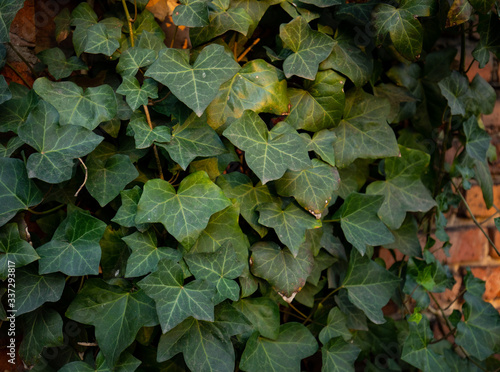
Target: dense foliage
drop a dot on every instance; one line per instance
(222, 206)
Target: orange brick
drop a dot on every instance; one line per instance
(492, 277)
(386, 255)
(468, 245)
(474, 198)
(493, 120)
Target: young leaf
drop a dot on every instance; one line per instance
(195, 85)
(74, 249)
(144, 136)
(284, 354)
(339, 356)
(184, 213)
(268, 153)
(15, 249)
(176, 301)
(125, 216)
(135, 94)
(133, 59)
(116, 314)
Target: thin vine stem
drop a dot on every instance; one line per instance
(47, 211)
(155, 149)
(129, 21)
(321, 302)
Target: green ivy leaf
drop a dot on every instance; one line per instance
(479, 332)
(59, 66)
(8, 10)
(63, 23)
(100, 41)
(258, 86)
(14, 249)
(191, 13)
(403, 190)
(5, 93)
(290, 223)
(478, 140)
(86, 108)
(319, 105)
(255, 9)
(146, 22)
(33, 290)
(126, 363)
(146, 254)
(309, 48)
(238, 185)
(336, 326)
(11, 146)
(204, 346)
(339, 356)
(323, 3)
(482, 97)
(17, 191)
(364, 132)
(15, 111)
(322, 144)
(176, 301)
(219, 268)
(406, 238)
(455, 88)
(125, 216)
(74, 249)
(313, 187)
(369, 286)
(263, 313)
(489, 42)
(191, 139)
(133, 59)
(268, 153)
(83, 15)
(286, 273)
(196, 85)
(116, 314)
(459, 13)
(57, 145)
(360, 223)
(186, 213)
(42, 328)
(230, 320)
(135, 94)
(294, 343)
(144, 136)
(482, 6)
(114, 252)
(108, 173)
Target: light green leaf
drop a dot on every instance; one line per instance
(17, 191)
(290, 223)
(191, 139)
(146, 254)
(404, 28)
(286, 273)
(309, 48)
(136, 95)
(263, 313)
(284, 354)
(14, 249)
(418, 352)
(268, 153)
(479, 332)
(322, 144)
(133, 59)
(478, 140)
(15, 111)
(144, 136)
(238, 185)
(146, 22)
(319, 105)
(59, 66)
(176, 301)
(108, 173)
(186, 213)
(360, 223)
(8, 10)
(349, 60)
(364, 132)
(57, 145)
(33, 290)
(313, 187)
(403, 190)
(339, 356)
(455, 88)
(195, 85)
(204, 346)
(369, 286)
(74, 249)
(100, 41)
(42, 328)
(86, 108)
(219, 268)
(336, 326)
(191, 13)
(125, 216)
(258, 86)
(116, 314)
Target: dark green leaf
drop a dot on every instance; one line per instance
(83, 15)
(335, 327)
(114, 252)
(263, 314)
(15, 111)
(14, 249)
(11, 146)
(454, 88)
(478, 140)
(144, 136)
(125, 216)
(5, 93)
(59, 66)
(322, 144)
(489, 31)
(135, 94)
(133, 59)
(406, 238)
(191, 13)
(339, 356)
(482, 6)
(8, 10)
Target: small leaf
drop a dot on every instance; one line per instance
(369, 286)
(116, 314)
(309, 48)
(11, 147)
(489, 32)
(336, 326)
(86, 108)
(339, 356)
(59, 66)
(17, 191)
(482, 6)
(460, 12)
(100, 41)
(184, 213)
(322, 144)
(74, 249)
(290, 223)
(268, 153)
(144, 136)
(133, 59)
(15, 111)
(135, 94)
(263, 313)
(294, 343)
(5, 93)
(313, 187)
(454, 88)
(14, 249)
(406, 238)
(125, 216)
(8, 10)
(83, 15)
(478, 140)
(176, 301)
(195, 85)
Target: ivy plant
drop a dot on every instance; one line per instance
(221, 204)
